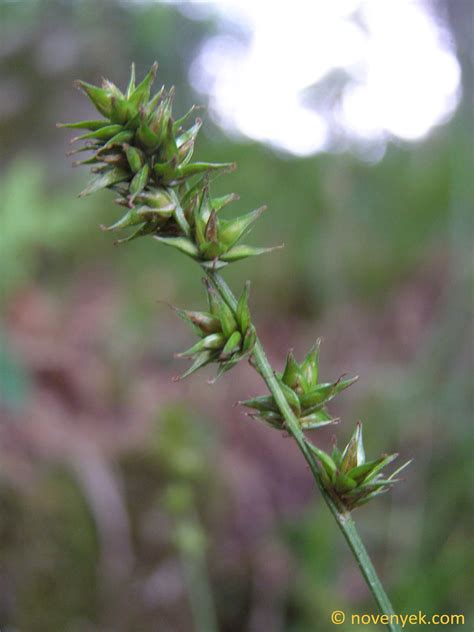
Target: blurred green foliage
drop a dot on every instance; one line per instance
(40, 226)
(48, 554)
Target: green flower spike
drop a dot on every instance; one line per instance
(210, 239)
(225, 337)
(139, 151)
(352, 479)
(307, 398)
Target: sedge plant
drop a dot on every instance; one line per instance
(138, 150)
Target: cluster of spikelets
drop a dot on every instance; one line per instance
(307, 398)
(348, 476)
(225, 337)
(142, 154)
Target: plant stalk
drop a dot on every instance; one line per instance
(341, 515)
(197, 582)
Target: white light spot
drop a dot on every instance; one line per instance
(402, 80)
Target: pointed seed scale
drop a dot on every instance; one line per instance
(242, 252)
(148, 228)
(309, 366)
(360, 472)
(250, 339)
(325, 391)
(203, 323)
(243, 312)
(402, 467)
(232, 230)
(99, 97)
(185, 153)
(139, 180)
(213, 341)
(190, 134)
(180, 243)
(217, 304)
(142, 91)
(365, 499)
(270, 415)
(306, 423)
(220, 202)
(263, 403)
(318, 395)
(112, 158)
(203, 206)
(344, 483)
(91, 125)
(224, 366)
(349, 456)
(146, 137)
(157, 198)
(360, 444)
(226, 316)
(119, 110)
(139, 214)
(321, 415)
(341, 385)
(232, 345)
(336, 455)
(201, 360)
(197, 168)
(181, 220)
(111, 88)
(170, 148)
(164, 171)
(210, 232)
(192, 194)
(131, 218)
(125, 136)
(270, 419)
(135, 157)
(188, 154)
(179, 122)
(87, 161)
(131, 83)
(211, 251)
(213, 299)
(291, 397)
(213, 264)
(209, 343)
(105, 179)
(85, 147)
(206, 322)
(325, 460)
(292, 373)
(153, 103)
(103, 133)
(199, 226)
(378, 483)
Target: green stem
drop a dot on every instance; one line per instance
(341, 515)
(197, 582)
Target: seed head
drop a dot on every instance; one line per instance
(143, 154)
(306, 397)
(350, 477)
(225, 337)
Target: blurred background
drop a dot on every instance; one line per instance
(131, 503)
